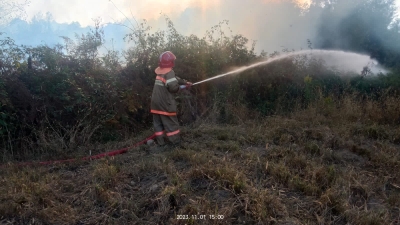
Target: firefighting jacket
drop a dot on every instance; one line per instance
(163, 98)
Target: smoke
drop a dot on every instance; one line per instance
(303, 4)
(361, 26)
(113, 10)
(151, 9)
(275, 25)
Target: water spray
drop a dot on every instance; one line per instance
(349, 59)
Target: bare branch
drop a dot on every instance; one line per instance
(126, 16)
(10, 10)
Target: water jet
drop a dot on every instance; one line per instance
(349, 61)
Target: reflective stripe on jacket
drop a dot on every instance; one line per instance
(163, 99)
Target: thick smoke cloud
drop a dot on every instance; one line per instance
(275, 25)
(361, 26)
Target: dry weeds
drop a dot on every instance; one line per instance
(305, 168)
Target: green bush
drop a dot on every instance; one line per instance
(71, 92)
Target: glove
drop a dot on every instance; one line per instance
(186, 86)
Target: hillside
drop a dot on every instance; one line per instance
(307, 167)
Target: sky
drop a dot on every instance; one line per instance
(274, 24)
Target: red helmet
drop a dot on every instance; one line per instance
(166, 60)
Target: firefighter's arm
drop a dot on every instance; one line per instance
(175, 83)
(172, 83)
(183, 83)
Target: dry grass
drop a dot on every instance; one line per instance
(312, 167)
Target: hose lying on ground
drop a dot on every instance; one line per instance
(98, 156)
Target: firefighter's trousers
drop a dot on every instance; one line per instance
(166, 126)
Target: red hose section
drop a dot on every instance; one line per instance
(98, 156)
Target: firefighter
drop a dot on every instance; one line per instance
(163, 105)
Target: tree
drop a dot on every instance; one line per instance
(86, 47)
(10, 56)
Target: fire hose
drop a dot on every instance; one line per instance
(98, 156)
